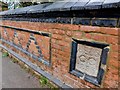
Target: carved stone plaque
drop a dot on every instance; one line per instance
(88, 59)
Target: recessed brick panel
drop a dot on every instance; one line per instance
(34, 44)
(32, 49)
(10, 34)
(5, 35)
(16, 40)
(24, 37)
(44, 43)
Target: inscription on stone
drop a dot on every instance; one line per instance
(88, 59)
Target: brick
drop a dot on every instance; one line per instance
(67, 27)
(56, 46)
(90, 85)
(43, 43)
(115, 78)
(62, 53)
(56, 36)
(24, 37)
(65, 64)
(57, 31)
(89, 28)
(112, 39)
(16, 41)
(57, 56)
(11, 34)
(111, 84)
(69, 33)
(99, 37)
(113, 63)
(32, 48)
(76, 86)
(66, 49)
(88, 36)
(49, 25)
(111, 70)
(119, 40)
(111, 79)
(77, 35)
(63, 43)
(109, 31)
(114, 48)
(114, 55)
(67, 39)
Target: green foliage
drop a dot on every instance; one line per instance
(24, 4)
(43, 81)
(3, 6)
(5, 54)
(52, 87)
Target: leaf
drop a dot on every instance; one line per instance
(5, 54)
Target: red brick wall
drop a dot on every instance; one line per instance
(62, 35)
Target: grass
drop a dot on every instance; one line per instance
(44, 82)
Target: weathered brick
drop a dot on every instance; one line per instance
(56, 36)
(67, 27)
(99, 37)
(77, 35)
(111, 84)
(114, 48)
(56, 46)
(69, 33)
(89, 28)
(114, 55)
(112, 70)
(90, 85)
(57, 31)
(88, 36)
(63, 43)
(113, 63)
(112, 39)
(67, 39)
(62, 53)
(110, 31)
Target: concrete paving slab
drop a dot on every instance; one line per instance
(13, 76)
(0, 70)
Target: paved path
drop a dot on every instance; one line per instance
(0, 71)
(13, 76)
